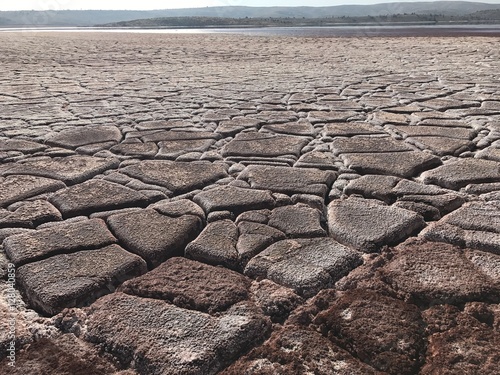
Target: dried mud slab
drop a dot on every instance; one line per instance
(442, 146)
(77, 279)
(429, 201)
(179, 135)
(178, 208)
(264, 145)
(29, 214)
(191, 285)
(367, 225)
(233, 244)
(318, 160)
(216, 245)
(96, 195)
(367, 145)
(73, 138)
(292, 128)
(331, 116)
(475, 225)
(372, 186)
(289, 180)
(179, 177)
(62, 238)
(305, 265)
(234, 199)
(255, 237)
(297, 221)
(349, 129)
(24, 146)
(153, 236)
(144, 150)
(14, 188)
(459, 173)
(70, 170)
(159, 338)
(405, 164)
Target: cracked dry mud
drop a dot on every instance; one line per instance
(203, 204)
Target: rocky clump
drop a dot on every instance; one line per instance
(436, 273)
(384, 332)
(297, 351)
(462, 342)
(64, 355)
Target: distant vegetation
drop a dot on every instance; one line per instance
(489, 17)
(439, 11)
(493, 14)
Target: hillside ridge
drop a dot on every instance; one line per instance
(68, 18)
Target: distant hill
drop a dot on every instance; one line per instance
(94, 17)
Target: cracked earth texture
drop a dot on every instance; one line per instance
(203, 204)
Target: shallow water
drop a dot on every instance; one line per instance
(327, 31)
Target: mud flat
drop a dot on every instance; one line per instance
(203, 204)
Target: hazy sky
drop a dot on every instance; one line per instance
(162, 4)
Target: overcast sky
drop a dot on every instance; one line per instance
(162, 4)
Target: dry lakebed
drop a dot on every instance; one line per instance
(192, 204)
